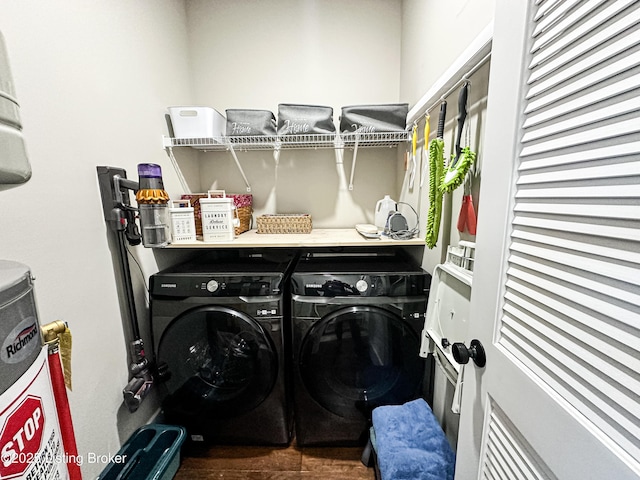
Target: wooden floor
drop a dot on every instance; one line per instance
(274, 463)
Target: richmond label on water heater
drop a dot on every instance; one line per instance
(20, 339)
(21, 342)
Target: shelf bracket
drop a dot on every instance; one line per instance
(338, 145)
(276, 153)
(181, 178)
(353, 165)
(235, 158)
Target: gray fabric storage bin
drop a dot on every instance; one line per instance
(295, 119)
(243, 122)
(391, 117)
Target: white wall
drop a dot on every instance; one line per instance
(434, 34)
(93, 80)
(257, 54)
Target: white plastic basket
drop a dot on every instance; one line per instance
(197, 122)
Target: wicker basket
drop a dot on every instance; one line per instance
(284, 223)
(245, 215)
(243, 203)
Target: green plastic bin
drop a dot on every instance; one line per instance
(151, 453)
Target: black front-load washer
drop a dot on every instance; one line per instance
(357, 322)
(218, 337)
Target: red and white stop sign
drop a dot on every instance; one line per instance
(21, 437)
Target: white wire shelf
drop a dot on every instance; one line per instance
(309, 141)
(277, 143)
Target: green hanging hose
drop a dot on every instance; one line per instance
(436, 169)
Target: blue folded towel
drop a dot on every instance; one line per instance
(410, 443)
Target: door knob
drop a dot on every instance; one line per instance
(462, 354)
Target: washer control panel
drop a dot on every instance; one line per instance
(363, 285)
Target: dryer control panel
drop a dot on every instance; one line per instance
(224, 277)
(179, 285)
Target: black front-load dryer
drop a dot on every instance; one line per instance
(218, 339)
(356, 332)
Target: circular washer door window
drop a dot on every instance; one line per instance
(358, 358)
(220, 362)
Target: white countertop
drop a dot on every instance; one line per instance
(319, 237)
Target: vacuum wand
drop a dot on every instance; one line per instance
(142, 379)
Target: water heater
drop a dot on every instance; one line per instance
(30, 440)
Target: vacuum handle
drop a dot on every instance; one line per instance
(441, 119)
(462, 115)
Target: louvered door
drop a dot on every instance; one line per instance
(556, 297)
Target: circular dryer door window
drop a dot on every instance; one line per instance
(220, 362)
(358, 358)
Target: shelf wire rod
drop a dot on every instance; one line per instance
(235, 158)
(181, 178)
(465, 78)
(353, 165)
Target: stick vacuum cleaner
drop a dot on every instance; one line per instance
(120, 217)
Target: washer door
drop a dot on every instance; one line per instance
(358, 358)
(221, 363)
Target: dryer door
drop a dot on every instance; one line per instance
(358, 358)
(221, 363)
